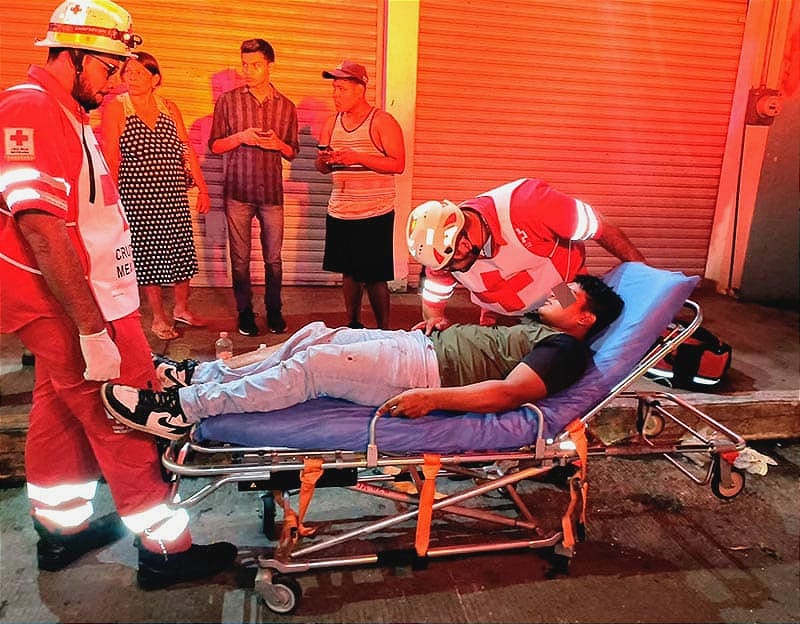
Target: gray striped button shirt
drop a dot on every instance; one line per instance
(252, 174)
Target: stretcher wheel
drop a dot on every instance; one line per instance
(268, 515)
(736, 482)
(558, 565)
(653, 425)
(282, 595)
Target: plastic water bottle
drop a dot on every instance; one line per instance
(223, 347)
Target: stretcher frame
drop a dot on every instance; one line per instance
(659, 431)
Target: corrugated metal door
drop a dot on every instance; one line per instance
(623, 103)
(197, 45)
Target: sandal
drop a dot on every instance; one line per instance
(164, 332)
(191, 320)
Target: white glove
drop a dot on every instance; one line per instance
(101, 356)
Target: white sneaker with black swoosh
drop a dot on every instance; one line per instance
(159, 413)
(172, 373)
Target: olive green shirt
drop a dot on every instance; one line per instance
(471, 353)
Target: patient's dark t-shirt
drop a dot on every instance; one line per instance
(559, 360)
(468, 354)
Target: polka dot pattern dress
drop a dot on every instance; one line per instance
(152, 187)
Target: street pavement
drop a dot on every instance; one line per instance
(658, 549)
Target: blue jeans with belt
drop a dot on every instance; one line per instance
(270, 218)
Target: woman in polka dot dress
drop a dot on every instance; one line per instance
(143, 139)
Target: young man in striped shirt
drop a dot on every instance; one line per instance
(255, 129)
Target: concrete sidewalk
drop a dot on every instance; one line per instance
(759, 399)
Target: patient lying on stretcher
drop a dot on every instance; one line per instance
(404, 373)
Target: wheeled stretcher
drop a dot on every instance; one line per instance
(470, 457)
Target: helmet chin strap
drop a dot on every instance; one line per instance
(474, 253)
(474, 249)
(77, 57)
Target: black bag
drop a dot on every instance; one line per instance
(700, 363)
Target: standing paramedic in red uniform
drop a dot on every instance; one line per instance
(68, 291)
(510, 247)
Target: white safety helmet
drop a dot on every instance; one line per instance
(95, 25)
(431, 232)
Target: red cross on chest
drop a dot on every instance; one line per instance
(504, 291)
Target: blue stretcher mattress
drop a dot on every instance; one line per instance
(652, 298)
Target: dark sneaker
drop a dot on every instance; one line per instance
(171, 373)
(199, 562)
(355, 325)
(247, 323)
(159, 413)
(55, 552)
(276, 322)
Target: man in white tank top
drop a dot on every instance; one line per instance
(362, 148)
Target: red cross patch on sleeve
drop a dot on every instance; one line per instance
(18, 144)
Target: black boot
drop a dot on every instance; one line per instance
(157, 570)
(55, 551)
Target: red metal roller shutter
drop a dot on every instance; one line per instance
(623, 103)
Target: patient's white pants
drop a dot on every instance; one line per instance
(365, 366)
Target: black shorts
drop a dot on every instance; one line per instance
(360, 248)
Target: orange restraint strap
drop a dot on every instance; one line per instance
(293, 522)
(430, 468)
(578, 486)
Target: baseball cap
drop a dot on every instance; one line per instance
(348, 70)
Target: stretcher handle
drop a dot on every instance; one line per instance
(539, 448)
(372, 446)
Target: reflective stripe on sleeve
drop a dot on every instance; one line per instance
(587, 224)
(435, 292)
(29, 174)
(25, 195)
(432, 297)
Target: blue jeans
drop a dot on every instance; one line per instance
(365, 366)
(240, 219)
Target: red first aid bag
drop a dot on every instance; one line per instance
(700, 363)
